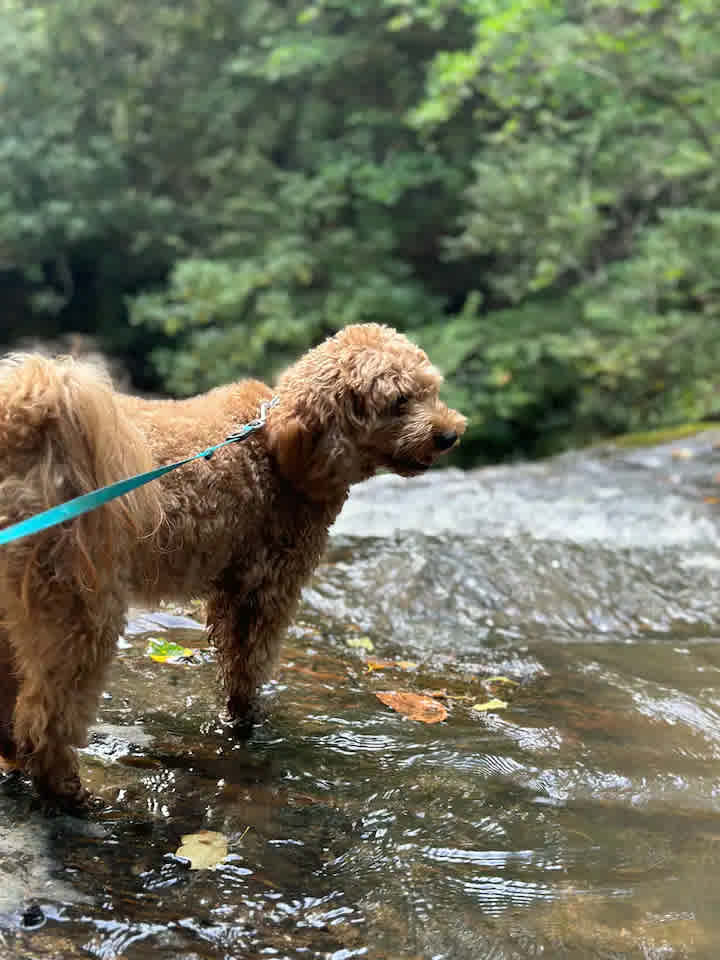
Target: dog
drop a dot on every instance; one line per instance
(244, 529)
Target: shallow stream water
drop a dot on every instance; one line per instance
(581, 820)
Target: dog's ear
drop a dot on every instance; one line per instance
(305, 459)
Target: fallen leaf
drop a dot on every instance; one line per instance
(490, 705)
(372, 664)
(414, 705)
(512, 683)
(363, 643)
(682, 453)
(164, 651)
(711, 499)
(204, 849)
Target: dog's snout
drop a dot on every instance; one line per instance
(445, 440)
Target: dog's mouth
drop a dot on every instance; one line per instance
(408, 467)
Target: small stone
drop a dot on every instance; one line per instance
(33, 917)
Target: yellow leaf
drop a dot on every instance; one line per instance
(507, 680)
(490, 705)
(363, 643)
(373, 664)
(205, 849)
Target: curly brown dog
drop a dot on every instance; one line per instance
(244, 529)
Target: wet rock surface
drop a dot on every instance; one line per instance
(580, 820)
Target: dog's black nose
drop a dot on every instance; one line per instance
(445, 440)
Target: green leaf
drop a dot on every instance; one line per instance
(165, 651)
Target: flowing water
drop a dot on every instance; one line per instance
(581, 820)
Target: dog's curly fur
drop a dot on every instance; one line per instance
(244, 529)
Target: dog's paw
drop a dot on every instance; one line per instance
(77, 806)
(244, 716)
(74, 800)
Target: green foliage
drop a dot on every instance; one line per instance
(529, 188)
(595, 204)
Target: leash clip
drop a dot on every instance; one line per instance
(258, 422)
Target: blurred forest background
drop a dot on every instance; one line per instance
(529, 188)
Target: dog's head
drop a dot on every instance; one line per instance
(364, 399)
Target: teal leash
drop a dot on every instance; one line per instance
(96, 498)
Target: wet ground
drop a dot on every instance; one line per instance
(581, 820)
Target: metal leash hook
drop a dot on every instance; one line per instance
(268, 405)
(258, 422)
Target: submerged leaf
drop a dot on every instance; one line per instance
(417, 706)
(362, 643)
(372, 664)
(204, 849)
(490, 705)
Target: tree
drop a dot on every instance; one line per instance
(595, 200)
(528, 188)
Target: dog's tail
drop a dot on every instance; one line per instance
(62, 434)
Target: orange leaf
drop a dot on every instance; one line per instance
(711, 499)
(373, 664)
(414, 705)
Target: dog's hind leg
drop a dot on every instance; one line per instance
(63, 668)
(9, 686)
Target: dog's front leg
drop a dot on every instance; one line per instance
(247, 633)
